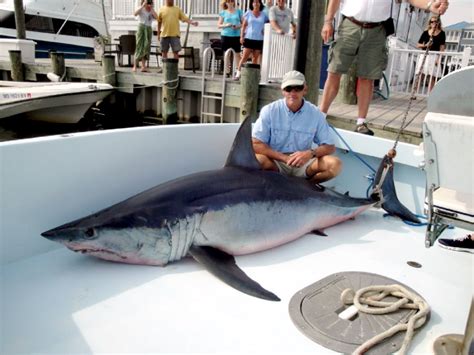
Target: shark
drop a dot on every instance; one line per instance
(215, 215)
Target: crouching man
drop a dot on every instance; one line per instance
(284, 134)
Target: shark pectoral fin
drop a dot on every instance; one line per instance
(319, 232)
(223, 266)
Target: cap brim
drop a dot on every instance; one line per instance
(292, 82)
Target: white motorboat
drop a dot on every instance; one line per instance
(57, 102)
(64, 26)
(56, 301)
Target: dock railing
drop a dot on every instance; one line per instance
(123, 9)
(404, 65)
(277, 55)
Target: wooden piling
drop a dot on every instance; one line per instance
(314, 50)
(347, 89)
(108, 70)
(16, 65)
(249, 86)
(19, 19)
(170, 89)
(57, 63)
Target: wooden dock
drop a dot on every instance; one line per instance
(384, 118)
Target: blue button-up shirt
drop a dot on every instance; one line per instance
(286, 131)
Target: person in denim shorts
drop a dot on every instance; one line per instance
(361, 36)
(292, 136)
(168, 28)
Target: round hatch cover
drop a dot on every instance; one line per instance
(315, 309)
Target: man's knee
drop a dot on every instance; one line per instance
(266, 163)
(330, 164)
(334, 165)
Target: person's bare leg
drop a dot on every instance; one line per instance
(366, 89)
(266, 163)
(256, 56)
(324, 168)
(331, 87)
(176, 55)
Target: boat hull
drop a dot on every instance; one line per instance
(61, 103)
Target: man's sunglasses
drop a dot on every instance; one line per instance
(296, 88)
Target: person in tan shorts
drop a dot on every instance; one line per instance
(361, 37)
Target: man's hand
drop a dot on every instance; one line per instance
(299, 158)
(327, 31)
(439, 7)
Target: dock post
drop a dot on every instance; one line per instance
(347, 89)
(249, 85)
(170, 89)
(108, 70)
(57, 63)
(16, 65)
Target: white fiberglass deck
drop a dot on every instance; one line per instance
(57, 301)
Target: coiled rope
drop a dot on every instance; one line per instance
(369, 300)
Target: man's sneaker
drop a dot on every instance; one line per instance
(362, 128)
(465, 244)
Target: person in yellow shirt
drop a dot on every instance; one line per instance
(168, 28)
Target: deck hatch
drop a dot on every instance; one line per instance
(315, 312)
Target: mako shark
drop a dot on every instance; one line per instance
(215, 215)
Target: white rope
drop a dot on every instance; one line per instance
(160, 84)
(369, 300)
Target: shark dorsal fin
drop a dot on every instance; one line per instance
(241, 154)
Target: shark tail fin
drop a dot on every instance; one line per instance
(223, 266)
(390, 202)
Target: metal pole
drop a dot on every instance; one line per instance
(20, 19)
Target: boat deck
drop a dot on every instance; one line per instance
(62, 302)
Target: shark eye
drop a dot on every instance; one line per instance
(89, 233)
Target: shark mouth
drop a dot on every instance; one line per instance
(102, 253)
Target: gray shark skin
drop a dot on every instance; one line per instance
(211, 216)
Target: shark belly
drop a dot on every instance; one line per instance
(246, 228)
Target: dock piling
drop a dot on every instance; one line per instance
(18, 73)
(58, 65)
(249, 86)
(108, 70)
(170, 90)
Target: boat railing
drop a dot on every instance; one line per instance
(277, 55)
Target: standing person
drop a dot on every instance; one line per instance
(432, 68)
(145, 14)
(281, 18)
(361, 36)
(284, 134)
(251, 36)
(168, 28)
(230, 22)
(268, 6)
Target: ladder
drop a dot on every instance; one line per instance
(209, 57)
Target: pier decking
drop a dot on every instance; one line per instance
(385, 116)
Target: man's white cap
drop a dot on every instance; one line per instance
(292, 78)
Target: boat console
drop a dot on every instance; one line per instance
(448, 136)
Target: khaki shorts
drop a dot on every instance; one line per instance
(173, 42)
(293, 170)
(367, 45)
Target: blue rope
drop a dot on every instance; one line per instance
(352, 152)
(415, 224)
